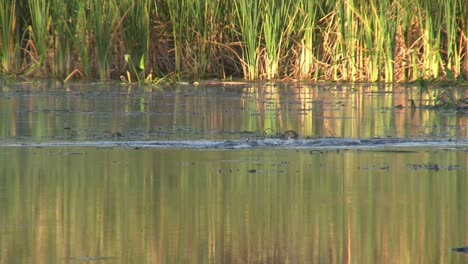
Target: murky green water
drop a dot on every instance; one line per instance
(96, 112)
(118, 204)
(250, 206)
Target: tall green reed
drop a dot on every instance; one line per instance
(63, 26)
(9, 37)
(409, 40)
(136, 29)
(39, 32)
(430, 20)
(453, 16)
(83, 46)
(179, 22)
(307, 19)
(387, 19)
(197, 24)
(464, 32)
(104, 22)
(209, 47)
(372, 45)
(277, 19)
(349, 40)
(248, 15)
(193, 24)
(344, 46)
(378, 40)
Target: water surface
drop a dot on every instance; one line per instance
(60, 204)
(107, 174)
(102, 111)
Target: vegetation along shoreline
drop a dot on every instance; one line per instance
(149, 40)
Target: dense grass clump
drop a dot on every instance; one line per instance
(370, 40)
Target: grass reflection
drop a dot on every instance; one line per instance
(312, 110)
(250, 206)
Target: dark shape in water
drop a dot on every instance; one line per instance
(460, 249)
(290, 134)
(92, 258)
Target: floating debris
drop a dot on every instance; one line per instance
(460, 249)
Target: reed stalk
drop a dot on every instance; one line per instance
(370, 41)
(340, 50)
(344, 49)
(9, 36)
(205, 19)
(329, 33)
(277, 19)
(248, 15)
(388, 22)
(39, 32)
(385, 38)
(308, 16)
(175, 9)
(414, 46)
(464, 36)
(352, 40)
(349, 40)
(378, 33)
(104, 19)
(63, 30)
(199, 48)
(136, 30)
(430, 20)
(452, 18)
(83, 45)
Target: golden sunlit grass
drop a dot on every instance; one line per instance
(374, 40)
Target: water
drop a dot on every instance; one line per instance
(82, 112)
(102, 174)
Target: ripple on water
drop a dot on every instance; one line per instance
(332, 143)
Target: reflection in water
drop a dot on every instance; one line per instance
(96, 112)
(66, 204)
(106, 204)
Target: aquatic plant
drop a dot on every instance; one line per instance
(343, 40)
(137, 71)
(136, 31)
(248, 25)
(277, 20)
(39, 32)
(448, 100)
(307, 37)
(9, 37)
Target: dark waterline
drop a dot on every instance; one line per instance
(312, 144)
